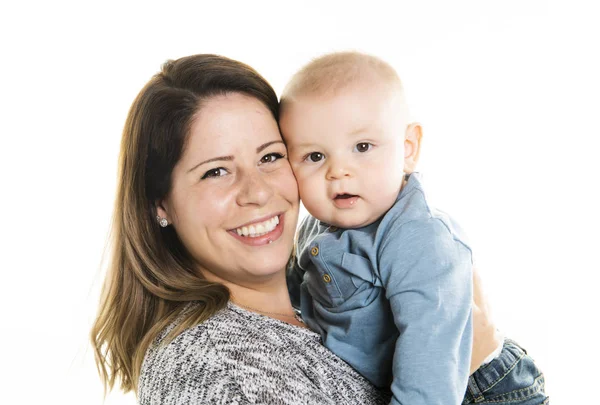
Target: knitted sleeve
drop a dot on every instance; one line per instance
(224, 362)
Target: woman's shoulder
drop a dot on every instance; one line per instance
(237, 356)
(202, 343)
(209, 360)
(231, 328)
(194, 367)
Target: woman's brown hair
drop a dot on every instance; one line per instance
(151, 277)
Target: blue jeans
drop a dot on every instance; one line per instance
(512, 378)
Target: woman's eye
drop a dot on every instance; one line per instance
(218, 172)
(314, 157)
(271, 157)
(363, 147)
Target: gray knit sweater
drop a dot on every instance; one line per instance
(240, 357)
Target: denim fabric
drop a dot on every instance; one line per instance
(512, 378)
(393, 298)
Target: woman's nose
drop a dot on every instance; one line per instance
(254, 190)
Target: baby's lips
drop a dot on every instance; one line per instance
(344, 196)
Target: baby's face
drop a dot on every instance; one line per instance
(347, 152)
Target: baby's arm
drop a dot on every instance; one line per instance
(294, 273)
(485, 335)
(294, 276)
(427, 276)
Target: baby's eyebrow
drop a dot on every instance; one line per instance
(358, 131)
(302, 145)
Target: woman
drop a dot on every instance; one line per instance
(195, 307)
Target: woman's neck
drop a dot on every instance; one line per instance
(274, 303)
(266, 299)
(267, 295)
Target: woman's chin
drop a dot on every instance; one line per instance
(267, 269)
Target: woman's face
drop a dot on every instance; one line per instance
(234, 199)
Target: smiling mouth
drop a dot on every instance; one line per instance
(258, 229)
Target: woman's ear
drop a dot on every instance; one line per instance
(412, 146)
(162, 210)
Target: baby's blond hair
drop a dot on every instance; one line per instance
(332, 72)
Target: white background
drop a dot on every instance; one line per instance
(508, 93)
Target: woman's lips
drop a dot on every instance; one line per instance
(265, 239)
(345, 201)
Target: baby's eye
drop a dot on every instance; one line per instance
(271, 157)
(363, 147)
(218, 172)
(314, 157)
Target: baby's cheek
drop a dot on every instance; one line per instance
(385, 188)
(306, 183)
(309, 195)
(312, 198)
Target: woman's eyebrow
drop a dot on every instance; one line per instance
(230, 157)
(266, 145)
(215, 159)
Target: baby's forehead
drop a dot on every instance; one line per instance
(370, 85)
(365, 94)
(359, 110)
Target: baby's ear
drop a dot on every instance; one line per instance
(412, 146)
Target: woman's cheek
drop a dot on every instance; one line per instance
(212, 204)
(285, 181)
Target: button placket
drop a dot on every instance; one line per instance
(327, 278)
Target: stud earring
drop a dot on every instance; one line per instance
(162, 221)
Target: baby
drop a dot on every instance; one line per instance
(385, 278)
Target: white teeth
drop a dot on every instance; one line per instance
(259, 229)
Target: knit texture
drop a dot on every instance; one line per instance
(240, 357)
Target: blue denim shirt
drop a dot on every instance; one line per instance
(393, 298)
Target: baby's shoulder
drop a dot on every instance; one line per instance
(420, 224)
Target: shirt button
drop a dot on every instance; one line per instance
(333, 228)
(314, 251)
(327, 278)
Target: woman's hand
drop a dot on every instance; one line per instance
(485, 336)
